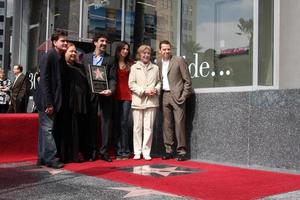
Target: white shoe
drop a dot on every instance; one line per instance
(137, 157)
(147, 158)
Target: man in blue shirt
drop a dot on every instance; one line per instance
(100, 104)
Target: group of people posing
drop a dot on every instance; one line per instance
(75, 124)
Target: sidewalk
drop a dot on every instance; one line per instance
(128, 180)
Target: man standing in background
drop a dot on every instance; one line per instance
(176, 87)
(18, 91)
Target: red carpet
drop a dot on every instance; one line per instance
(214, 182)
(18, 137)
(18, 142)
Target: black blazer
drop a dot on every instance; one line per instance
(49, 91)
(110, 71)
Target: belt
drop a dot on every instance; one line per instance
(165, 91)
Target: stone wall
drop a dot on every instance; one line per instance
(260, 128)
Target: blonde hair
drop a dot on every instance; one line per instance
(141, 49)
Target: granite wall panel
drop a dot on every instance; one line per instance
(249, 128)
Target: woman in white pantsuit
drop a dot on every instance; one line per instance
(144, 82)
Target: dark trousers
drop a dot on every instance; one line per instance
(122, 127)
(18, 105)
(69, 129)
(4, 108)
(100, 113)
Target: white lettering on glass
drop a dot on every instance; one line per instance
(196, 71)
(203, 70)
(193, 67)
(203, 67)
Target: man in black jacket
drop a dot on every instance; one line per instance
(100, 105)
(48, 99)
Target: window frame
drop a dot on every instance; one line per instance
(255, 86)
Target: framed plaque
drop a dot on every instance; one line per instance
(98, 78)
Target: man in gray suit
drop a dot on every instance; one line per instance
(176, 87)
(18, 91)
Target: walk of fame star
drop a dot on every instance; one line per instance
(46, 169)
(139, 192)
(159, 170)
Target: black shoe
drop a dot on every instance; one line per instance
(55, 164)
(40, 163)
(181, 157)
(106, 158)
(80, 158)
(167, 156)
(93, 155)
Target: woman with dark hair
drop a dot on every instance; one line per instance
(122, 63)
(71, 122)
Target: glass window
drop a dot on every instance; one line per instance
(37, 33)
(8, 37)
(149, 22)
(66, 17)
(218, 45)
(265, 43)
(103, 17)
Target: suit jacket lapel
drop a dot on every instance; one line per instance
(16, 82)
(159, 64)
(105, 60)
(171, 63)
(90, 58)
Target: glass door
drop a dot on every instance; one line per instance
(149, 22)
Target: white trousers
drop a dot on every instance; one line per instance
(143, 120)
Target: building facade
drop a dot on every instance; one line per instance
(242, 56)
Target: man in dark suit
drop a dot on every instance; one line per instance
(48, 99)
(176, 87)
(100, 105)
(18, 91)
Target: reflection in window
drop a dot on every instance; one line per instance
(66, 17)
(150, 21)
(37, 33)
(103, 17)
(218, 46)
